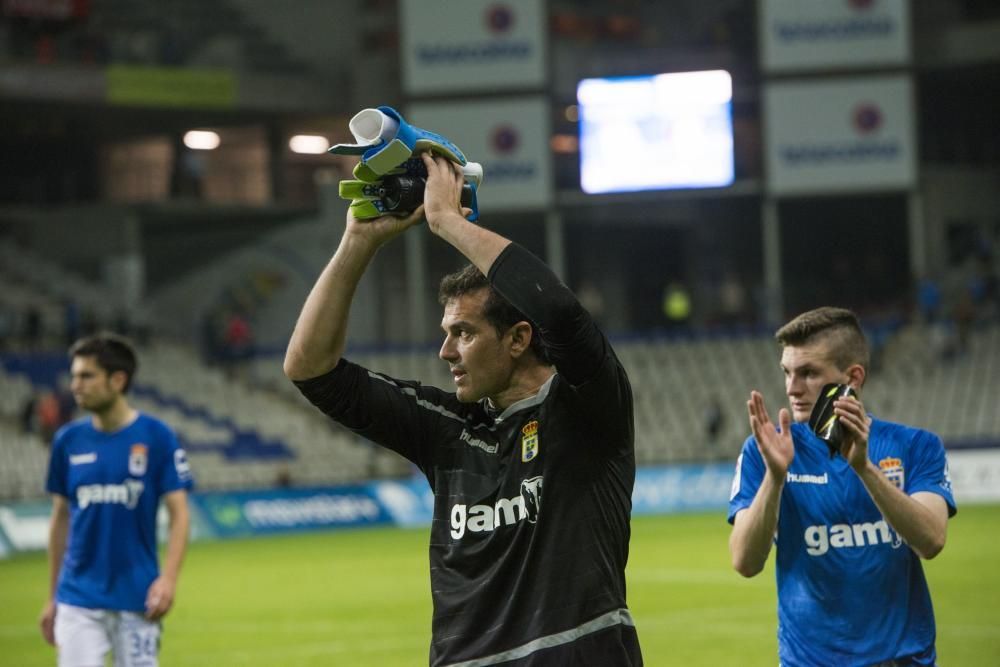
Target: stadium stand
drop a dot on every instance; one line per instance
(23, 456)
(249, 432)
(27, 279)
(193, 33)
(39, 273)
(953, 392)
(238, 435)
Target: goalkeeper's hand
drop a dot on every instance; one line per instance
(379, 231)
(443, 194)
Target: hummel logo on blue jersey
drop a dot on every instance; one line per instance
(808, 479)
(80, 459)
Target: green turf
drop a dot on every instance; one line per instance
(362, 598)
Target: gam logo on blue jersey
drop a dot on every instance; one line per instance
(126, 493)
(820, 539)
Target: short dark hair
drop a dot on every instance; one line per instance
(838, 327)
(112, 352)
(497, 310)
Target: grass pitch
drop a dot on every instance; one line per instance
(362, 598)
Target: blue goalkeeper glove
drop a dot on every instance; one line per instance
(390, 177)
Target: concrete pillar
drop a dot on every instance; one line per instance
(774, 302)
(555, 243)
(416, 284)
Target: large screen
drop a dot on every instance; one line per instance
(656, 132)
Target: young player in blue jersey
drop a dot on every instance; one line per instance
(851, 526)
(107, 475)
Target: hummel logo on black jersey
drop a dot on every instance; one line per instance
(476, 442)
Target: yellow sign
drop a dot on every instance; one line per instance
(129, 85)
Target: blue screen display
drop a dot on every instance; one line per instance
(656, 132)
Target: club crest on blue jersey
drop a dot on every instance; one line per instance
(892, 468)
(529, 441)
(138, 459)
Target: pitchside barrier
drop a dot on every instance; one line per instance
(975, 474)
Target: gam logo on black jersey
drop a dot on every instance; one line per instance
(504, 512)
(531, 491)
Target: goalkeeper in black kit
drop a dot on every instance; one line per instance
(530, 456)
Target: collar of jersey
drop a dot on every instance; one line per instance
(524, 403)
(804, 436)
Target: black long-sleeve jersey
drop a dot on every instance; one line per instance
(530, 533)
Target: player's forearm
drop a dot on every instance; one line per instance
(753, 529)
(479, 245)
(177, 537)
(320, 333)
(921, 527)
(57, 549)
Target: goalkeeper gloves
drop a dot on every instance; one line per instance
(390, 177)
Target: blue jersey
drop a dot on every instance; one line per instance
(850, 592)
(114, 482)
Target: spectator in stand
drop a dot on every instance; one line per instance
(32, 327)
(67, 404)
(732, 300)
(239, 335)
(929, 300)
(715, 420)
(677, 306)
(28, 419)
(47, 414)
(71, 317)
(7, 325)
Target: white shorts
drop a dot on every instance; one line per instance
(84, 637)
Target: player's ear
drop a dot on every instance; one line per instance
(118, 380)
(520, 338)
(856, 376)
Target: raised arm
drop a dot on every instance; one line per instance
(320, 333)
(442, 207)
(754, 527)
(575, 344)
(921, 519)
